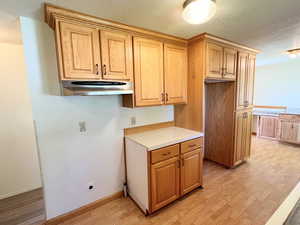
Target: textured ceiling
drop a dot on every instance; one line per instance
(270, 25)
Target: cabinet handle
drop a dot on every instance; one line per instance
(191, 146)
(104, 69)
(167, 97)
(178, 163)
(165, 154)
(163, 97)
(182, 162)
(97, 69)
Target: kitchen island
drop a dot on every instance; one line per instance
(278, 124)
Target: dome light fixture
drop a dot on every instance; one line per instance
(293, 53)
(198, 11)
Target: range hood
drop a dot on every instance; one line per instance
(94, 88)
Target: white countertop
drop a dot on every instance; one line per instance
(162, 137)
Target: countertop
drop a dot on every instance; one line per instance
(160, 138)
(276, 112)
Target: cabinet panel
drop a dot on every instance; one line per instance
(191, 170)
(241, 79)
(117, 56)
(243, 130)
(250, 80)
(164, 182)
(80, 51)
(148, 67)
(268, 126)
(175, 66)
(230, 63)
(289, 131)
(214, 61)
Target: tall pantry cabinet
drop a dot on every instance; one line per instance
(220, 97)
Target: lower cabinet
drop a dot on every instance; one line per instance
(158, 177)
(268, 126)
(243, 132)
(191, 170)
(165, 182)
(289, 128)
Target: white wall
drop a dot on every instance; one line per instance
(19, 166)
(278, 84)
(69, 159)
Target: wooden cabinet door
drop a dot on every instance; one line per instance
(243, 130)
(239, 138)
(80, 50)
(191, 170)
(250, 80)
(117, 59)
(164, 183)
(241, 79)
(148, 68)
(175, 67)
(230, 63)
(289, 131)
(214, 61)
(268, 127)
(248, 134)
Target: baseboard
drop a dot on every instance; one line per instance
(83, 209)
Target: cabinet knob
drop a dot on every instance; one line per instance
(163, 97)
(167, 97)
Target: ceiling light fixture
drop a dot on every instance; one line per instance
(198, 11)
(293, 53)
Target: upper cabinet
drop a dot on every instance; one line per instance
(160, 73)
(175, 65)
(245, 81)
(116, 55)
(148, 68)
(214, 61)
(221, 62)
(80, 52)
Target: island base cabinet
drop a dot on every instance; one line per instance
(164, 182)
(191, 167)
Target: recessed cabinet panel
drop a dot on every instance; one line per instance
(214, 61)
(191, 170)
(80, 51)
(116, 55)
(268, 127)
(230, 63)
(148, 67)
(164, 182)
(175, 65)
(241, 81)
(250, 80)
(242, 136)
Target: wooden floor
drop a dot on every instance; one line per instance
(23, 209)
(247, 195)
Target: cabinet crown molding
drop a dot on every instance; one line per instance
(53, 12)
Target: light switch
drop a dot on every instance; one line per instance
(133, 120)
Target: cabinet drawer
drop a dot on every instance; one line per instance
(191, 145)
(164, 153)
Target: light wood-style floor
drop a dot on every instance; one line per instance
(23, 209)
(247, 195)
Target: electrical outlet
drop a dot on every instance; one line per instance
(91, 186)
(82, 127)
(133, 120)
